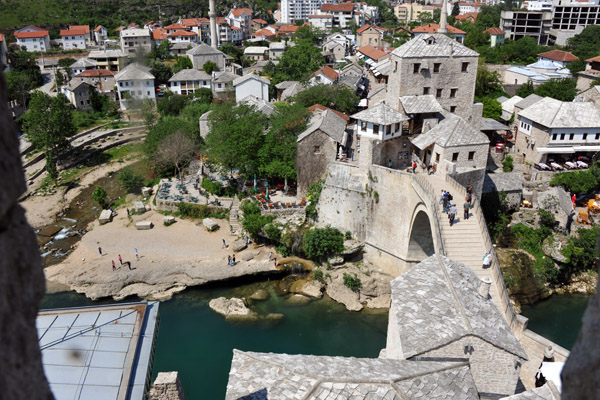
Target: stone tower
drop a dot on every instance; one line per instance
(444, 18)
(212, 14)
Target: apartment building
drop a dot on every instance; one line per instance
(133, 39)
(241, 18)
(570, 18)
(294, 10)
(74, 38)
(521, 23)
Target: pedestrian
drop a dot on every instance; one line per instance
(100, 250)
(247, 239)
(573, 198)
(275, 261)
(445, 202)
(452, 214)
(469, 189)
(224, 244)
(137, 256)
(235, 213)
(270, 255)
(233, 259)
(113, 265)
(127, 211)
(229, 260)
(428, 169)
(442, 196)
(470, 199)
(352, 152)
(466, 207)
(414, 167)
(120, 259)
(548, 354)
(390, 163)
(487, 260)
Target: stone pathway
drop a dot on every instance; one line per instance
(236, 228)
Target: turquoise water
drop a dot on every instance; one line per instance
(557, 318)
(198, 343)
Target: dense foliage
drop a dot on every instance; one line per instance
(24, 76)
(253, 221)
(564, 89)
(352, 282)
(99, 196)
(320, 243)
(200, 211)
(578, 181)
(338, 97)
(313, 195)
(131, 181)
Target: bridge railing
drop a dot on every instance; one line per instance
(428, 189)
(507, 308)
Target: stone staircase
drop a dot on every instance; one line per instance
(463, 242)
(234, 223)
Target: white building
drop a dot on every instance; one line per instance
(276, 49)
(187, 81)
(251, 84)
(294, 10)
(100, 34)
(134, 82)
(537, 5)
(134, 39)
(83, 64)
(34, 39)
(241, 18)
(182, 37)
(222, 83)
(380, 122)
(323, 76)
(321, 21)
(73, 38)
(257, 53)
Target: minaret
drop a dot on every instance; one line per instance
(443, 18)
(213, 24)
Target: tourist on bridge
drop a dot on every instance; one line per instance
(467, 207)
(487, 260)
(548, 354)
(414, 167)
(452, 214)
(442, 196)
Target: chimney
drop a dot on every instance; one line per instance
(444, 18)
(484, 287)
(213, 24)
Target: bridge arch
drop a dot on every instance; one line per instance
(420, 244)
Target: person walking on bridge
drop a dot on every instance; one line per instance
(452, 214)
(467, 207)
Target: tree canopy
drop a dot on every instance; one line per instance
(337, 97)
(564, 89)
(298, 62)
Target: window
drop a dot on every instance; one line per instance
(148, 93)
(121, 84)
(436, 67)
(453, 92)
(597, 136)
(562, 136)
(375, 129)
(571, 136)
(425, 90)
(584, 136)
(416, 68)
(452, 109)
(465, 67)
(317, 150)
(554, 136)
(454, 156)
(437, 157)
(438, 93)
(396, 66)
(471, 155)
(363, 125)
(397, 127)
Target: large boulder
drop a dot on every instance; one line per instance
(139, 207)
(143, 225)
(312, 289)
(210, 224)
(342, 294)
(239, 245)
(382, 301)
(231, 308)
(105, 217)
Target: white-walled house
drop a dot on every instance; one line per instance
(323, 76)
(73, 38)
(134, 82)
(380, 122)
(34, 39)
(251, 84)
(83, 64)
(133, 39)
(187, 81)
(241, 18)
(100, 34)
(257, 53)
(181, 36)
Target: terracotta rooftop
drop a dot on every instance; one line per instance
(494, 31)
(239, 11)
(1, 37)
(98, 28)
(288, 29)
(467, 16)
(343, 7)
(73, 31)
(93, 73)
(260, 21)
(595, 59)
(328, 72)
(433, 28)
(34, 34)
(86, 28)
(263, 32)
(181, 33)
(175, 26)
(372, 52)
(323, 108)
(559, 55)
(159, 34)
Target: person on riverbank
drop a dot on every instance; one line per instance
(452, 214)
(247, 239)
(113, 265)
(137, 255)
(120, 259)
(270, 255)
(548, 354)
(229, 260)
(100, 250)
(224, 246)
(128, 212)
(233, 260)
(275, 262)
(466, 207)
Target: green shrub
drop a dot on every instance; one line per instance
(318, 276)
(507, 164)
(130, 181)
(547, 219)
(99, 195)
(577, 181)
(581, 251)
(272, 232)
(211, 187)
(200, 211)
(352, 282)
(284, 251)
(253, 221)
(322, 242)
(348, 235)
(313, 195)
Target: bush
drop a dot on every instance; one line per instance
(352, 282)
(322, 242)
(547, 219)
(348, 235)
(581, 251)
(130, 181)
(252, 220)
(99, 195)
(313, 195)
(507, 164)
(199, 211)
(211, 187)
(284, 251)
(272, 232)
(318, 276)
(577, 181)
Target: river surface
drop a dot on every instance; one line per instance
(557, 318)
(198, 342)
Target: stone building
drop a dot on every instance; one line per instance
(510, 183)
(551, 129)
(324, 76)
(78, 93)
(102, 79)
(434, 65)
(134, 39)
(441, 311)
(222, 84)
(83, 64)
(203, 53)
(134, 82)
(285, 376)
(455, 148)
(546, 392)
(318, 146)
(112, 60)
(424, 112)
(592, 94)
(380, 122)
(370, 35)
(187, 81)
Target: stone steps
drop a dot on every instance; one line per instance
(236, 227)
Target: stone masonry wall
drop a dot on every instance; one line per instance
(494, 370)
(167, 386)
(541, 137)
(311, 166)
(22, 284)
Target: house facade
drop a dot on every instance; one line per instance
(73, 38)
(324, 76)
(134, 39)
(102, 79)
(134, 82)
(78, 93)
(112, 60)
(100, 35)
(251, 84)
(199, 55)
(83, 64)
(370, 35)
(241, 18)
(257, 53)
(33, 39)
(187, 81)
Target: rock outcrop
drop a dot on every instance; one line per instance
(21, 276)
(231, 308)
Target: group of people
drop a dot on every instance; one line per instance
(450, 208)
(128, 263)
(231, 260)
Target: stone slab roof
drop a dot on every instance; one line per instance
(546, 392)
(190, 75)
(503, 181)
(244, 78)
(436, 303)
(434, 45)
(327, 121)
(261, 105)
(450, 132)
(291, 91)
(490, 124)
(285, 84)
(554, 113)
(134, 71)
(420, 104)
(224, 77)
(381, 114)
(203, 49)
(284, 376)
(527, 101)
(84, 63)
(509, 105)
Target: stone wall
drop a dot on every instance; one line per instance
(523, 145)
(494, 370)
(474, 178)
(311, 166)
(167, 386)
(22, 284)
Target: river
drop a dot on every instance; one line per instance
(198, 343)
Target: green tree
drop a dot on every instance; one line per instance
(234, 51)
(595, 82)
(587, 43)
(131, 181)
(278, 154)
(564, 89)
(165, 127)
(236, 137)
(298, 62)
(48, 124)
(337, 97)
(99, 196)
(66, 62)
(491, 108)
(175, 151)
(576, 66)
(476, 38)
(581, 251)
(19, 85)
(149, 113)
(455, 10)
(161, 71)
(487, 83)
(507, 164)
(525, 89)
(320, 243)
(182, 63)
(203, 95)
(172, 104)
(161, 52)
(60, 79)
(209, 67)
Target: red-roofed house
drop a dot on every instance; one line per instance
(323, 76)
(3, 51)
(264, 34)
(159, 35)
(258, 24)
(228, 33)
(371, 53)
(74, 37)
(102, 79)
(241, 18)
(175, 27)
(465, 8)
(496, 36)
(199, 25)
(34, 39)
(100, 34)
(182, 37)
(370, 35)
(558, 56)
(469, 17)
(592, 64)
(287, 30)
(342, 13)
(433, 28)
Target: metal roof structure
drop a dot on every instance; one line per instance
(99, 353)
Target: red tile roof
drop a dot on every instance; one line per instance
(372, 52)
(559, 55)
(433, 28)
(494, 31)
(328, 72)
(34, 34)
(469, 15)
(323, 108)
(239, 11)
(594, 59)
(73, 31)
(95, 73)
(260, 21)
(263, 32)
(191, 22)
(181, 33)
(288, 29)
(320, 16)
(98, 28)
(343, 7)
(235, 28)
(363, 28)
(175, 26)
(159, 34)
(86, 28)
